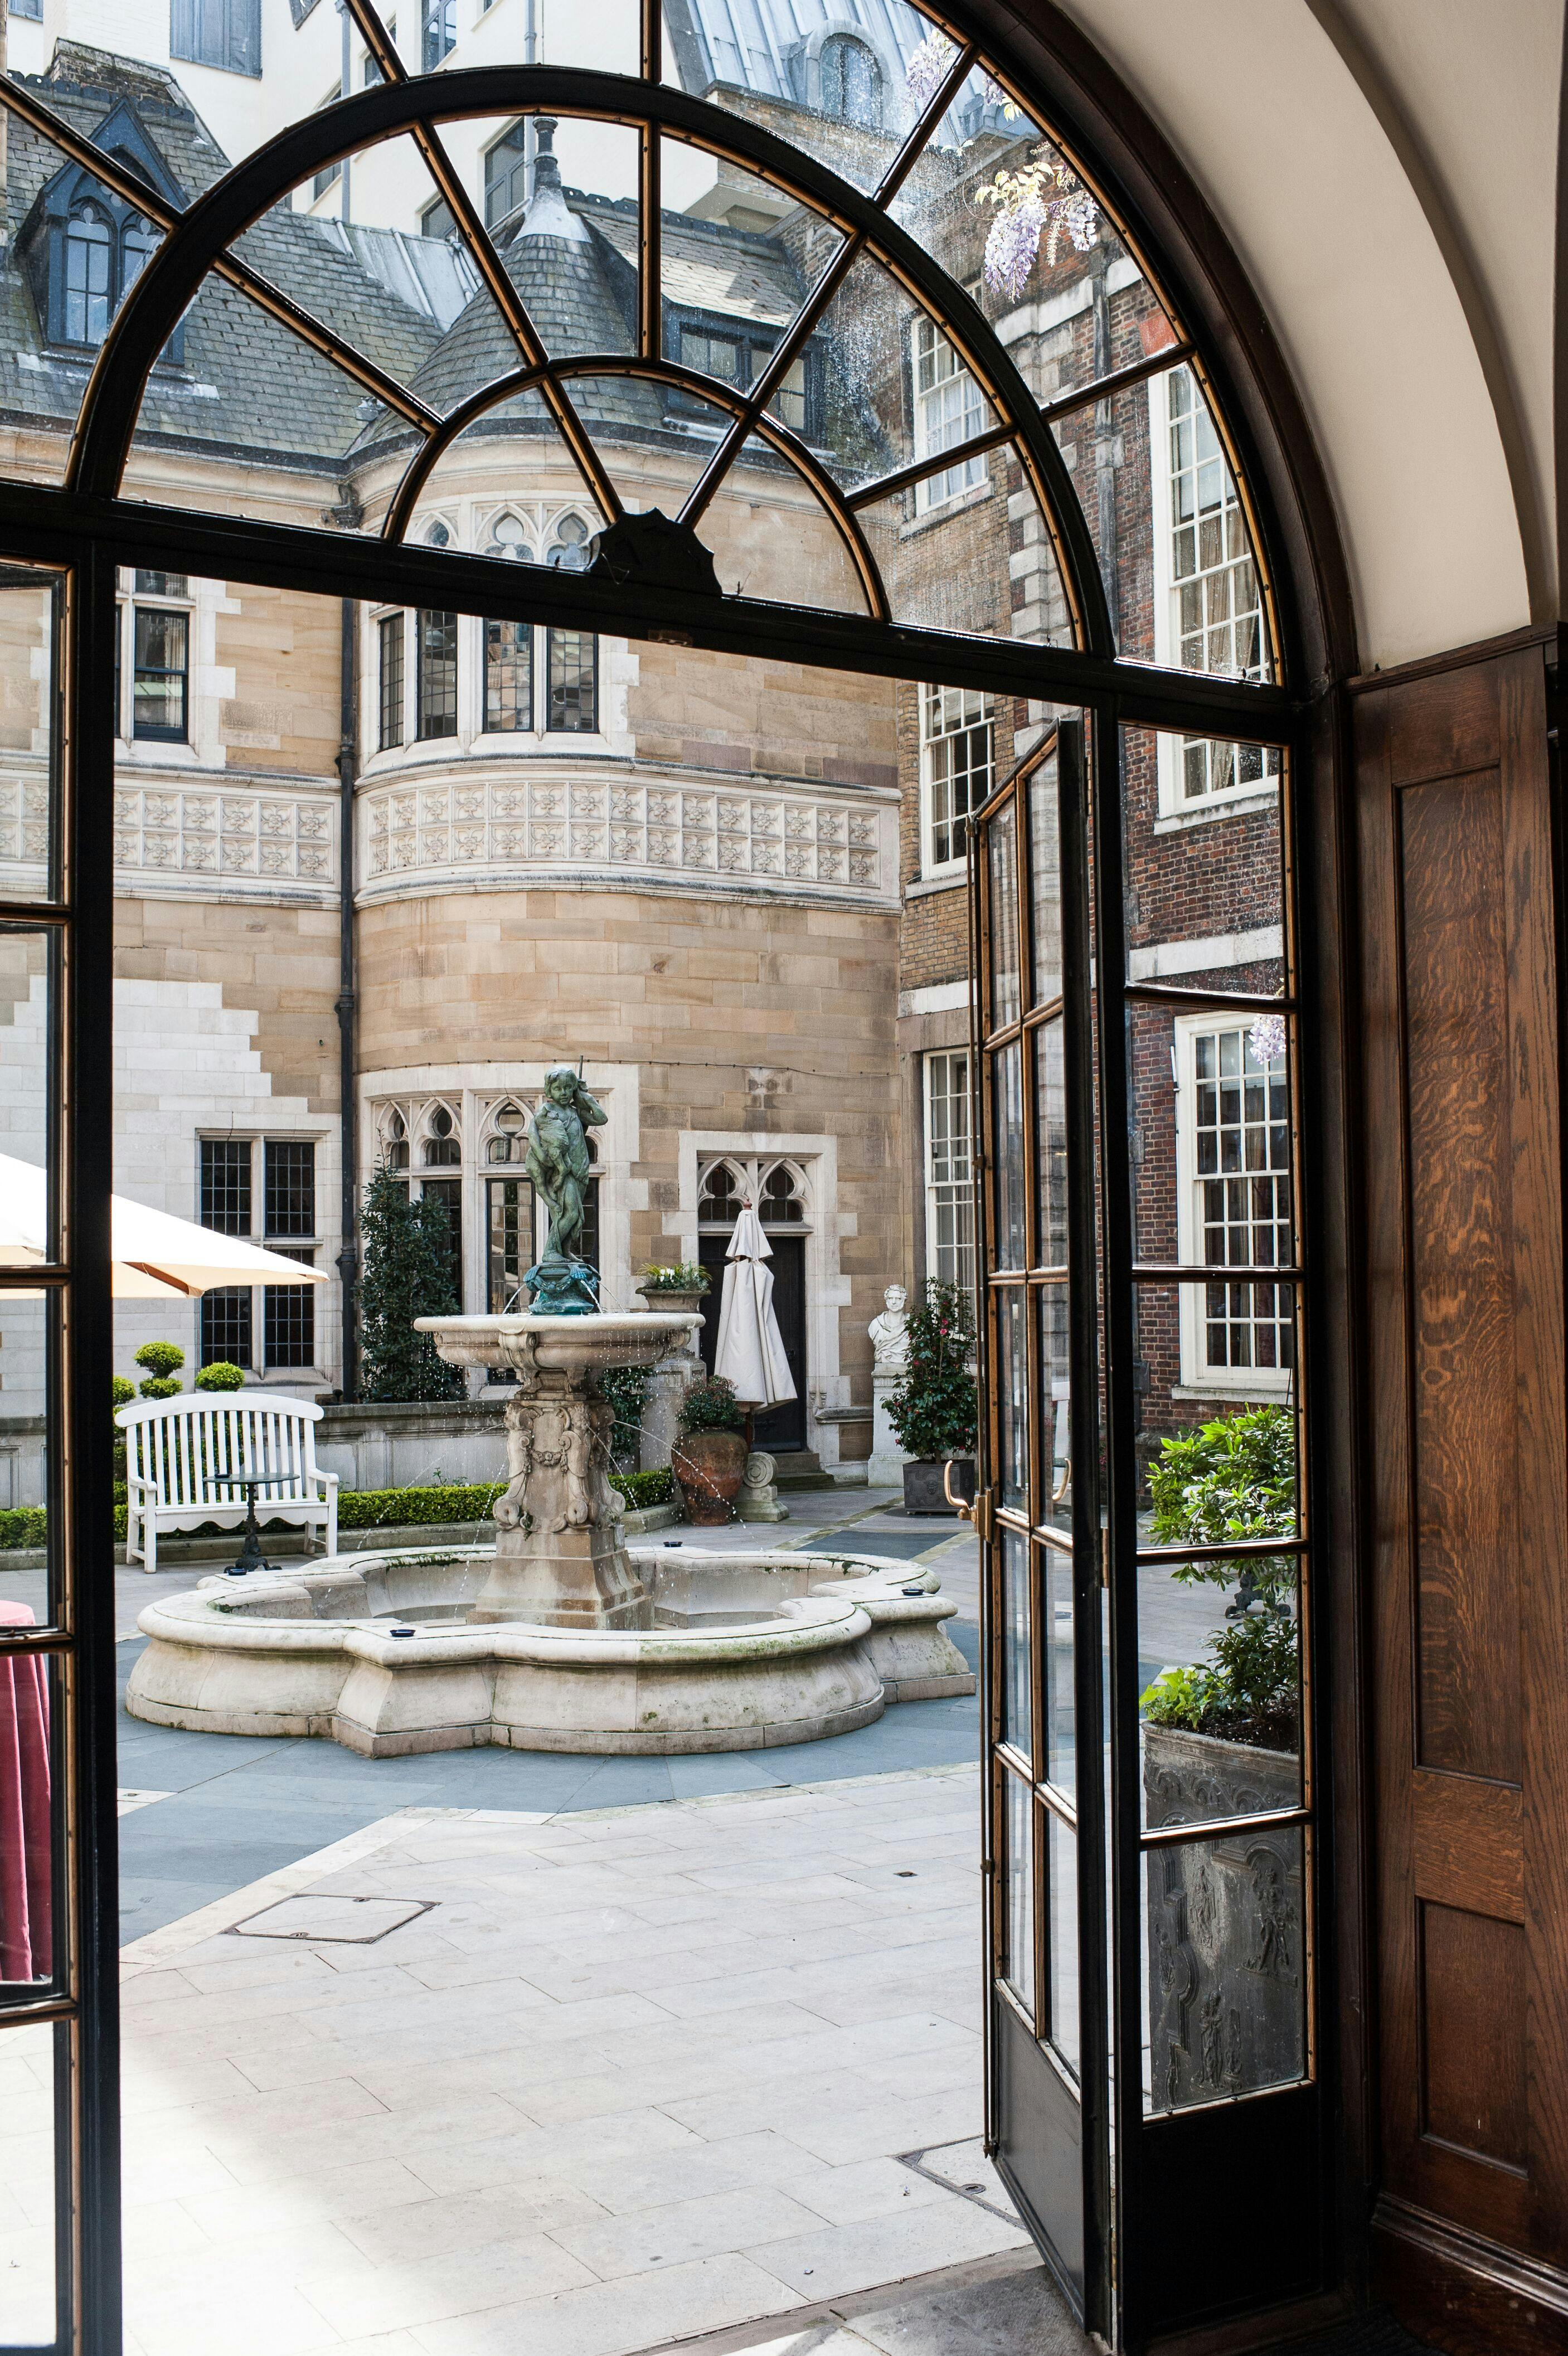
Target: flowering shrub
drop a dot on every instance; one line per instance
(933, 1408)
(1039, 202)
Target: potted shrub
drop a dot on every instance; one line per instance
(1222, 1739)
(933, 1409)
(710, 1455)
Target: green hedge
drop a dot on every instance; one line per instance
(374, 1509)
(370, 1509)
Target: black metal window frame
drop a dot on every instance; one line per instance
(391, 649)
(436, 638)
(86, 528)
(163, 685)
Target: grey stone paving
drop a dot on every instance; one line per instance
(240, 1809)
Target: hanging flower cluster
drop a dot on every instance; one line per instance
(932, 62)
(1037, 204)
(1267, 1038)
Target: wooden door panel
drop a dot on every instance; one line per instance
(1469, 1448)
(1451, 884)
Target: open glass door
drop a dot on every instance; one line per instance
(1039, 1517)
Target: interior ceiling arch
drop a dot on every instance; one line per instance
(1286, 129)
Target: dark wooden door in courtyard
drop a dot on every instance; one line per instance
(1471, 1530)
(781, 1432)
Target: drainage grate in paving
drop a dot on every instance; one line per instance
(337, 1922)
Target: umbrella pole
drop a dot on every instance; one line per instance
(750, 1434)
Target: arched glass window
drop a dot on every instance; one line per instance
(852, 82)
(719, 1200)
(569, 544)
(779, 1203)
(137, 246)
(443, 1145)
(508, 1138)
(509, 537)
(88, 275)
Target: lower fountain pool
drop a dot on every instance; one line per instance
(739, 1651)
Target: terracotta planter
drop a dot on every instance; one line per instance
(708, 1465)
(923, 1489)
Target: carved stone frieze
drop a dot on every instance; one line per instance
(782, 838)
(239, 834)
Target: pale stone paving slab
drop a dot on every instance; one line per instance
(639, 2074)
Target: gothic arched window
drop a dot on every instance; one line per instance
(568, 547)
(852, 82)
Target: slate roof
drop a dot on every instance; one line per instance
(245, 385)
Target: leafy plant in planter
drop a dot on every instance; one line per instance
(407, 1274)
(1233, 1479)
(933, 1409)
(710, 1455)
(686, 1276)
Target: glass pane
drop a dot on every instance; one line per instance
(1018, 1885)
(1220, 1636)
(910, 396)
(1055, 1571)
(1045, 881)
(29, 1695)
(1155, 484)
(1010, 1241)
(1061, 1872)
(26, 1064)
(847, 94)
(1001, 909)
(1203, 857)
(1056, 1465)
(1050, 1143)
(1225, 1968)
(28, 2161)
(28, 818)
(1013, 1396)
(772, 538)
(1017, 1709)
(29, 1543)
(1214, 1182)
(980, 558)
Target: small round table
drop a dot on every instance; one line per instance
(250, 1557)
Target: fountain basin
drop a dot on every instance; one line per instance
(746, 1651)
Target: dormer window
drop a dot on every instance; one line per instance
(852, 82)
(84, 246)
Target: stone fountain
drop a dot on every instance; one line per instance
(560, 1637)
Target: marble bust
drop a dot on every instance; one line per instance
(890, 1332)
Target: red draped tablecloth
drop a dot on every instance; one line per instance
(26, 1944)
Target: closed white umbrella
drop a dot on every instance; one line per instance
(157, 1257)
(750, 1354)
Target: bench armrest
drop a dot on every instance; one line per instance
(137, 1485)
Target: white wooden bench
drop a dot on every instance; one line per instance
(180, 1451)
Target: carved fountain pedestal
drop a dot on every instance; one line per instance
(561, 1558)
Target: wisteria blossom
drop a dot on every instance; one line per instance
(932, 62)
(1267, 1038)
(1040, 203)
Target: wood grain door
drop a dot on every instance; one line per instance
(1464, 1232)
